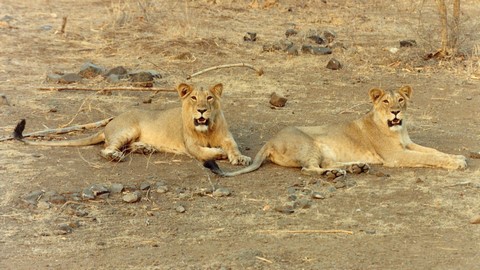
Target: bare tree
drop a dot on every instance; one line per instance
(449, 41)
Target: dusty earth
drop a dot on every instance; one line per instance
(387, 219)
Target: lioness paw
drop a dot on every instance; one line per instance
(358, 168)
(334, 174)
(240, 160)
(112, 155)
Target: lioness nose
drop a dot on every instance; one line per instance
(201, 110)
(395, 112)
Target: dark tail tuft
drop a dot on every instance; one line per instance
(18, 131)
(213, 166)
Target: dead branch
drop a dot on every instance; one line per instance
(64, 24)
(63, 130)
(306, 231)
(258, 70)
(150, 89)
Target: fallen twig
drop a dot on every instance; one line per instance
(258, 70)
(305, 231)
(150, 89)
(63, 130)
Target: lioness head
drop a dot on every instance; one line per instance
(390, 106)
(200, 107)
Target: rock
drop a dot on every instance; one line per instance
(408, 43)
(161, 187)
(154, 73)
(81, 213)
(46, 27)
(43, 205)
(370, 231)
(63, 229)
(64, 79)
(292, 197)
(329, 35)
(141, 77)
(285, 209)
(132, 197)
(145, 186)
(317, 39)
(221, 192)
(318, 195)
(55, 198)
(475, 219)
(303, 203)
(120, 71)
(89, 70)
(113, 78)
(334, 64)
(291, 32)
(33, 197)
(4, 100)
(277, 101)
(180, 209)
(340, 184)
(116, 188)
(87, 194)
(99, 189)
(250, 36)
(316, 50)
(292, 50)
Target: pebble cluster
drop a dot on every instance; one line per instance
(114, 75)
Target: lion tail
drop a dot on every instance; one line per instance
(90, 140)
(261, 156)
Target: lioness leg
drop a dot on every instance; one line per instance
(142, 148)
(410, 158)
(115, 140)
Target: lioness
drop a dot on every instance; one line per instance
(379, 137)
(197, 129)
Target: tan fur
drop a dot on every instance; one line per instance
(377, 138)
(197, 129)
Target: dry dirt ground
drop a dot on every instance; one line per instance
(387, 219)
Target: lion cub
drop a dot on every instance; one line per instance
(379, 137)
(197, 129)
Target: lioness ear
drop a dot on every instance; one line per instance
(184, 89)
(375, 93)
(406, 91)
(217, 89)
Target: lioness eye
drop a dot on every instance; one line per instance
(400, 99)
(194, 98)
(385, 101)
(209, 98)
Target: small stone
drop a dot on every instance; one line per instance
(33, 197)
(57, 199)
(46, 27)
(180, 209)
(221, 192)
(291, 32)
(89, 70)
(321, 50)
(132, 197)
(116, 188)
(43, 205)
(329, 35)
(285, 209)
(145, 186)
(81, 213)
(87, 194)
(99, 189)
(53, 78)
(292, 197)
(408, 43)
(475, 219)
(147, 101)
(63, 229)
(277, 100)
(340, 184)
(120, 71)
(370, 231)
(334, 64)
(250, 37)
(141, 77)
(332, 189)
(318, 195)
(162, 189)
(467, 98)
(154, 73)
(69, 78)
(113, 78)
(292, 50)
(317, 39)
(291, 190)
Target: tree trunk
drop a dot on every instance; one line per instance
(442, 12)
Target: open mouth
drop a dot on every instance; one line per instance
(394, 122)
(200, 121)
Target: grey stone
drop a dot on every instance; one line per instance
(53, 78)
(291, 32)
(33, 197)
(162, 189)
(113, 78)
(90, 70)
(99, 189)
(408, 43)
(321, 50)
(116, 188)
(43, 205)
(303, 203)
(117, 71)
(317, 39)
(285, 209)
(46, 27)
(132, 197)
(318, 195)
(292, 50)
(145, 186)
(87, 194)
(329, 35)
(141, 76)
(63, 229)
(221, 192)
(180, 209)
(67, 78)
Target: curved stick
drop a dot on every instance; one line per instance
(258, 70)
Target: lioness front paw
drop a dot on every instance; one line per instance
(460, 162)
(240, 160)
(334, 174)
(112, 155)
(358, 168)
